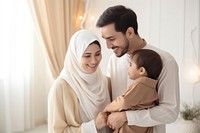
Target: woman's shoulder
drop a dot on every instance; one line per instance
(61, 86)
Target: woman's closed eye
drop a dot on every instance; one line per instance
(87, 55)
(98, 53)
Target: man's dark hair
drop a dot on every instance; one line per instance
(122, 17)
(148, 59)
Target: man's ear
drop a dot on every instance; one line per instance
(130, 32)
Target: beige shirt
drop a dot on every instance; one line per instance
(64, 111)
(140, 95)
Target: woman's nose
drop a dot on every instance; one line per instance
(94, 60)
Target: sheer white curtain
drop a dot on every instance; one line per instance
(23, 81)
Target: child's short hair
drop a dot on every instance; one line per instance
(148, 59)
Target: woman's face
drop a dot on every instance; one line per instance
(91, 58)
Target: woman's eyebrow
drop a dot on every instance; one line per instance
(95, 52)
(98, 51)
(87, 53)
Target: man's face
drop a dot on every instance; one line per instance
(116, 41)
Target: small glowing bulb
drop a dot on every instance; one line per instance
(92, 18)
(80, 17)
(193, 74)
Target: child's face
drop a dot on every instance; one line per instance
(133, 71)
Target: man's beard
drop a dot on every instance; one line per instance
(124, 50)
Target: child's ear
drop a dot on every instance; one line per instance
(142, 71)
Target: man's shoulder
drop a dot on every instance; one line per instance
(165, 55)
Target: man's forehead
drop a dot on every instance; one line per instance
(108, 33)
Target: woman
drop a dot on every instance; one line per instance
(81, 90)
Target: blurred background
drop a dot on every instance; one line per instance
(34, 36)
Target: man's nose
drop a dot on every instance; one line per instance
(109, 44)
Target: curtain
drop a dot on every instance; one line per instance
(24, 75)
(56, 21)
(14, 67)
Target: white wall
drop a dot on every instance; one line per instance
(172, 25)
(3, 106)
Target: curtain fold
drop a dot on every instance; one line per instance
(19, 110)
(56, 21)
(24, 76)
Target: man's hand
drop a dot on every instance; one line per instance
(116, 120)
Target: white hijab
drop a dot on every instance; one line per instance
(91, 89)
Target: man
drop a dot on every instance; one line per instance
(119, 28)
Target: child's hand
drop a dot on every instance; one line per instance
(101, 120)
(115, 131)
(105, 110)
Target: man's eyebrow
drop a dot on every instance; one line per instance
(107, 37)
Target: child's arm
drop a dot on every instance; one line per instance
(116, 105)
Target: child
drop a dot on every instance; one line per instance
(145, 67)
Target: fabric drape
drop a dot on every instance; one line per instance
(56, 21)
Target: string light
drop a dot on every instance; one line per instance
(193, 74)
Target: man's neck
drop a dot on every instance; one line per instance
(139, 43)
